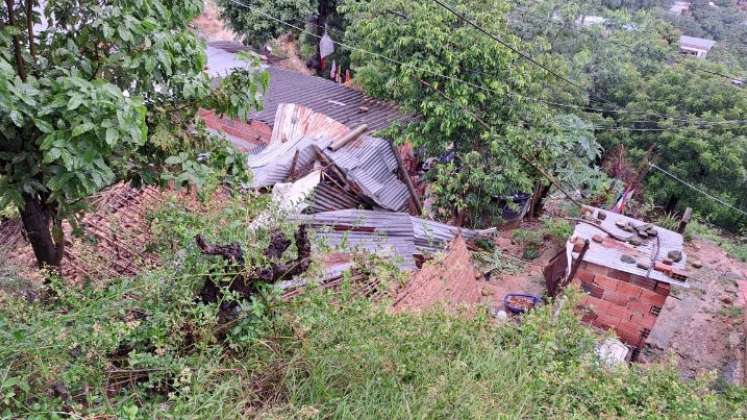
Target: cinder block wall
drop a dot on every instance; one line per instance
(623, 302)
(254, 132)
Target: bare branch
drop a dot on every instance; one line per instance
(20, 64)
(30, 26)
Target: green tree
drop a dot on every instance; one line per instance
(92, 92)
(690, 114)
(250, 18)
(498, 140)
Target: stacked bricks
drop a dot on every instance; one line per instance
(623, 302)
(254, 132)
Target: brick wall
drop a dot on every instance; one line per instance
(625, 303)
(254, 132)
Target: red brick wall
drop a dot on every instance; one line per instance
(621, 301)
(254, 132)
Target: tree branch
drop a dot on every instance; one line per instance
(20, 64)
(30, 26)
(516, 153)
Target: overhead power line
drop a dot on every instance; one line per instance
(701, 124)
(506, 45)
(527, 57)
(693, 187)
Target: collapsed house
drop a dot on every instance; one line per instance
(626, 268)
(115, 240)
(402, 239)
(340, 168)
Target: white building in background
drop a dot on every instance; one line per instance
(698, 47)
(680, 7)
(589, 21)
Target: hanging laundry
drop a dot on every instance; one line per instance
(326, 47)
(333, 72)
(622, 200)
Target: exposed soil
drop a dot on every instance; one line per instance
(285, 52)
(702, 328)
(210, 26)
(529, 280)
(452, 282)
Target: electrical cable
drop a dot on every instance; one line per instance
(691, 186)
(703, 123)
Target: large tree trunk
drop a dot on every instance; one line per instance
(45, 235)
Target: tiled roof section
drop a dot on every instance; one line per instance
(697, 43)
(104, 250)
(343, 104)
(608, 253)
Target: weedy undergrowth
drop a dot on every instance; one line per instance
(148, 347)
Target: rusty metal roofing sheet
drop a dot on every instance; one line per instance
(368, 161)
(609, 252)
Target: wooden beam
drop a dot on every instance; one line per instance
(685, 220)
(350, 136)
(576, 264)
(408, 182)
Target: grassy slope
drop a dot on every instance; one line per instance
(152, 346)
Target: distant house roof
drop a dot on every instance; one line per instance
(368, 162)
(679, 6)
(696, 43)
(590, 20)
(348, 106)
(609, 252)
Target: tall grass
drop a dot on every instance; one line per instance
(145, 347)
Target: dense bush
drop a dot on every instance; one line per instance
(147, 347)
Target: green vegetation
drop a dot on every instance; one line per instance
(453, 77)
(105, 92)
(250, 18)
(733, 312)
(734, 245)
(559, 230)
(500, 124)
(530, 242)
(149, 347)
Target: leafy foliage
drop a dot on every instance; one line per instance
(93, 93)
(433, 49)
(244, 19)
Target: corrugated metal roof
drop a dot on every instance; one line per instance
(609, 252)
(695, 42)
(340, 102)
(346, 105)
(393, 234)
(369, 162)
